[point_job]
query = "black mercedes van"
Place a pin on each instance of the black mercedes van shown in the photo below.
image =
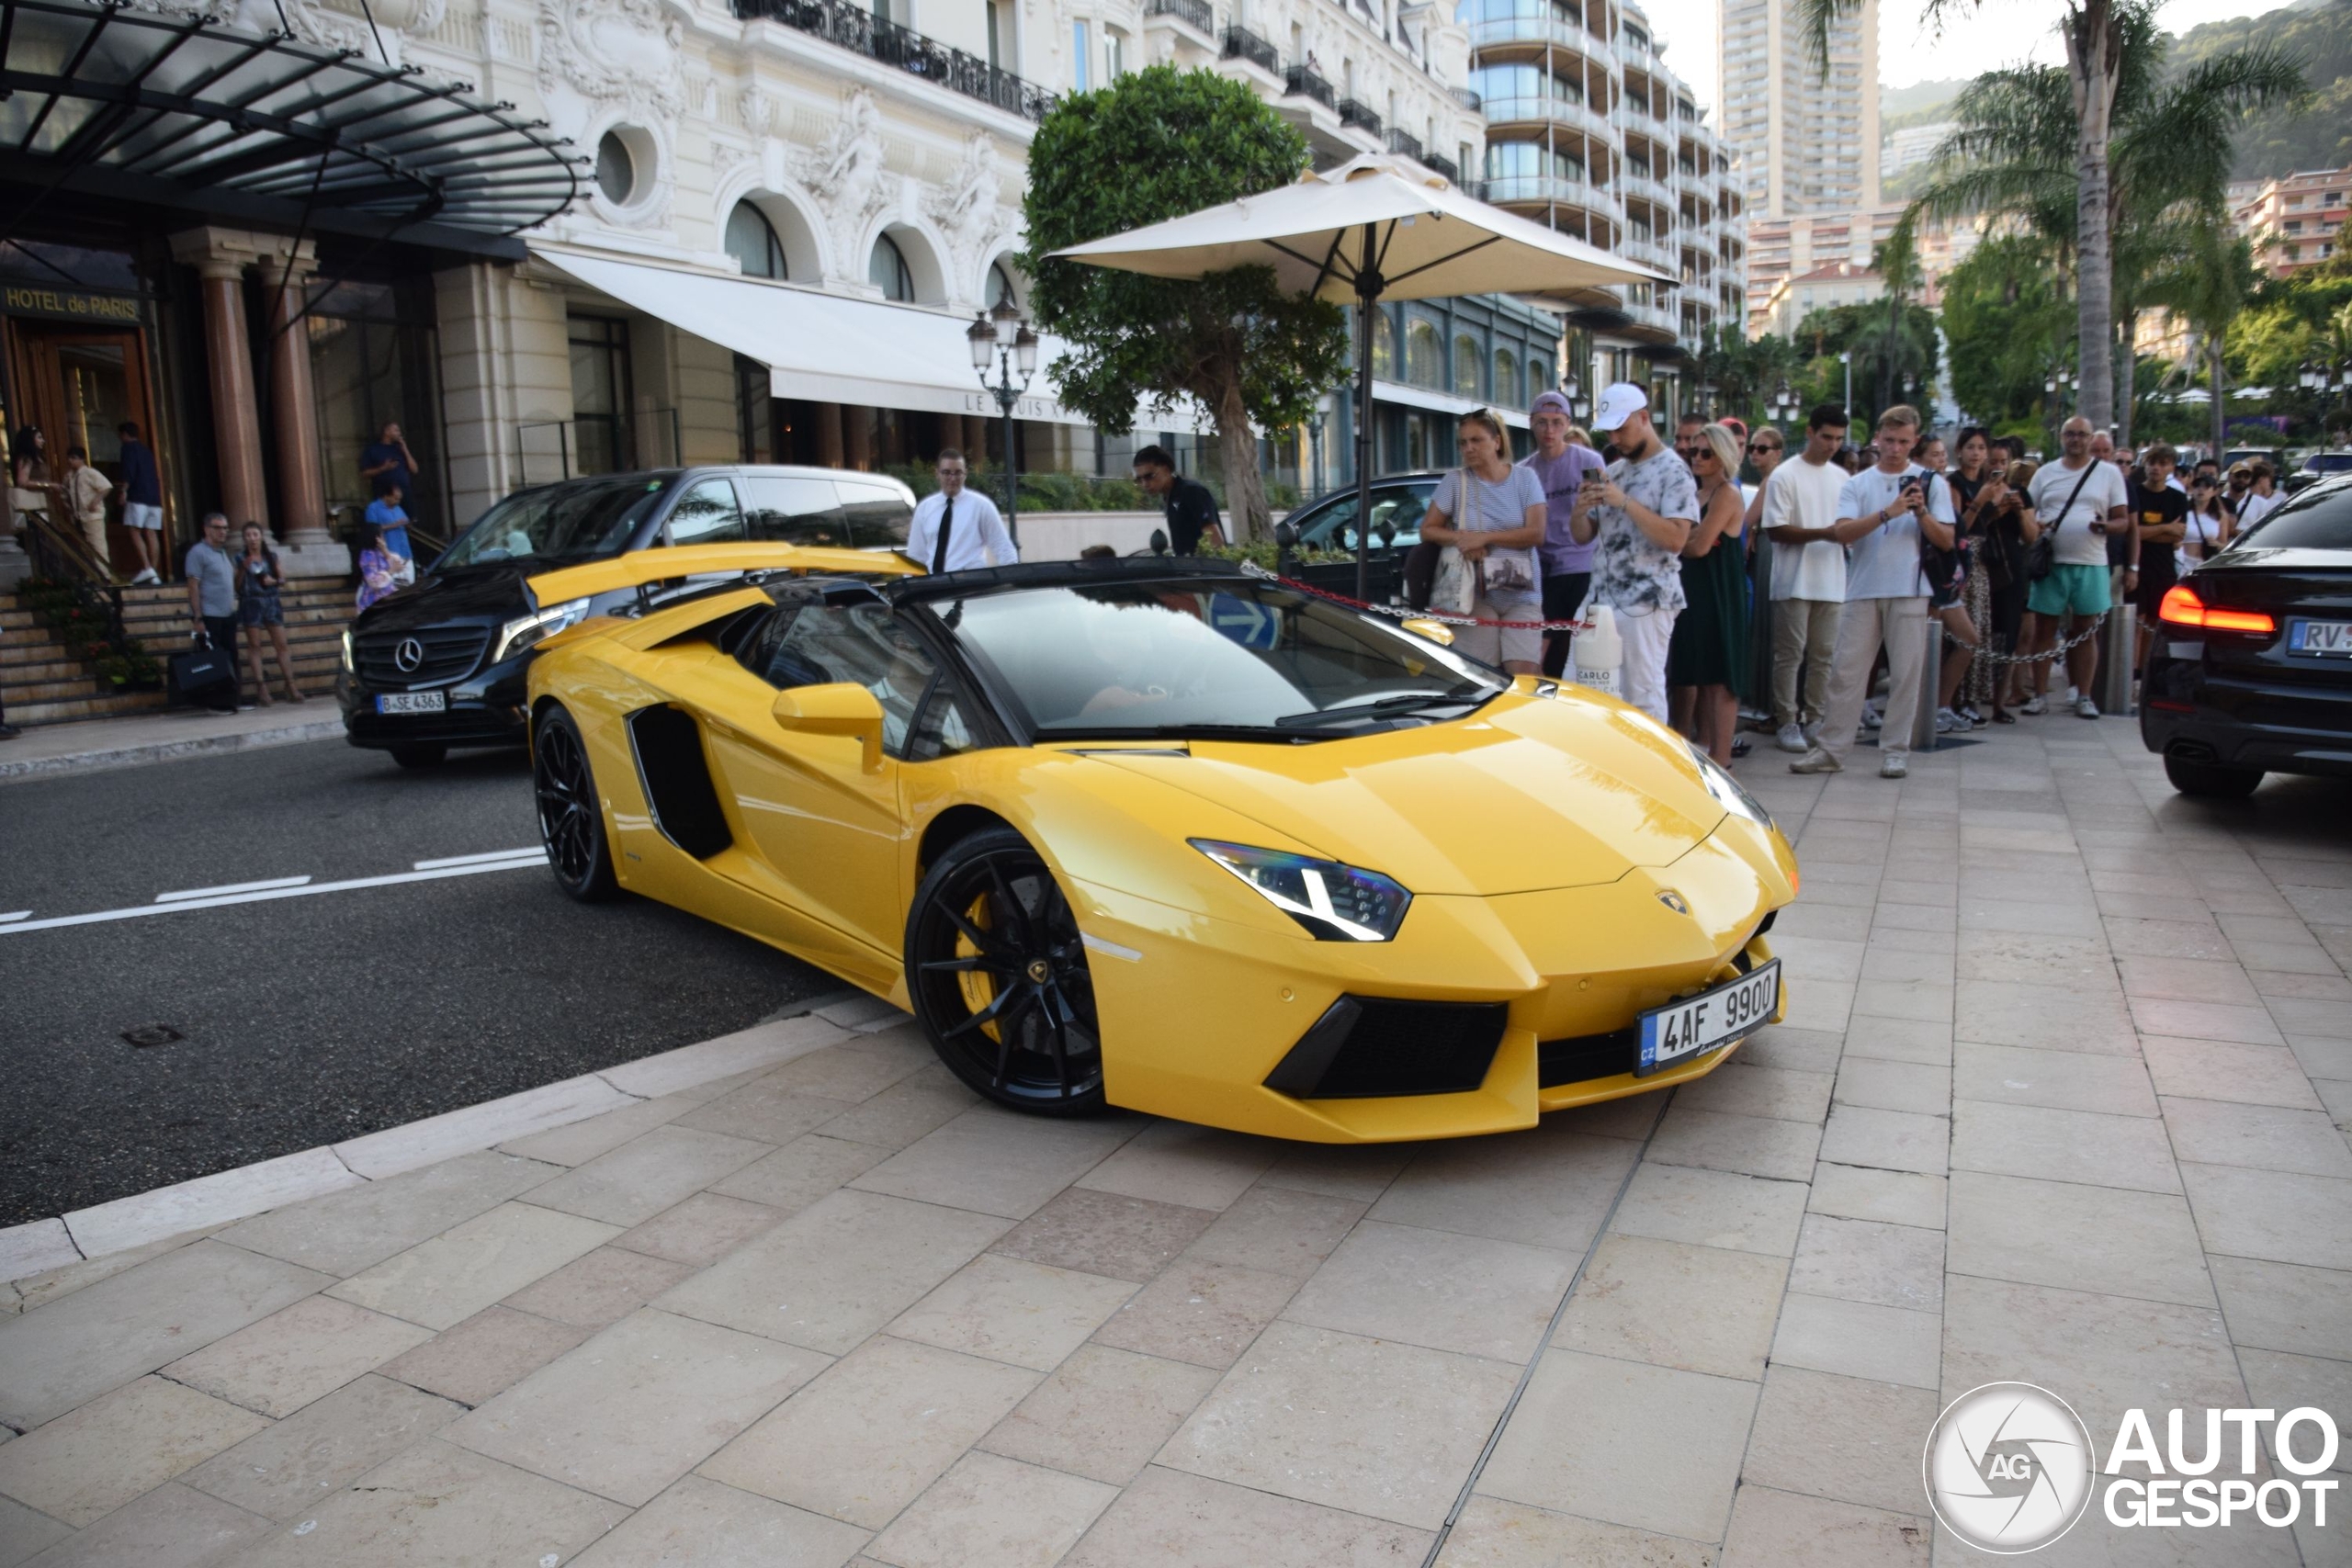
(442, 663)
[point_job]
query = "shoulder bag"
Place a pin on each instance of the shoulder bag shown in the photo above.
(2042, 559)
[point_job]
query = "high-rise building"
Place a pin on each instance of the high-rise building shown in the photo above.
(1805, 142)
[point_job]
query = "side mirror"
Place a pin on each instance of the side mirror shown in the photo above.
(843, 708)
(1437, 632)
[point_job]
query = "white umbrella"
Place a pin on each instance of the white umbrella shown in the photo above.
(1367, 230)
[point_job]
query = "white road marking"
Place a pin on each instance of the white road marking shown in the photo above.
(230, 888)
(16, 915)
(394, 880)
(531, 852)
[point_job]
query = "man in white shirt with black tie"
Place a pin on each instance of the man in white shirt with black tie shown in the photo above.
(955, 529)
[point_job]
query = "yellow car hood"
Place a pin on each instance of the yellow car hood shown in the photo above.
(1528, 794)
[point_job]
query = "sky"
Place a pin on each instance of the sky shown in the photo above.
(1996, 33)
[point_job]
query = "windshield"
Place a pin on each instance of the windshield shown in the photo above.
(577, 520)
(2328, 463)
(2319, 519)
(1226, 654)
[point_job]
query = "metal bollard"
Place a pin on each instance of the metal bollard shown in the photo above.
(1931, 668)
(2118, 642)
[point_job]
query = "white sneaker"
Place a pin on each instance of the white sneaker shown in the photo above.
(1870, 719)
(1816, 761)
(1812, 733)
(1895, 767)
(1791, 739)
(2086, 708)
(1949, 722)
(146, 575)
(2034, 704)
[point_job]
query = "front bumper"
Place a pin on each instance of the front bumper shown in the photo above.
(489, 708)
(1197, 1021)
(2287, 722)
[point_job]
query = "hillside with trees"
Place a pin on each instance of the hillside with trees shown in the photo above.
(2320, 136)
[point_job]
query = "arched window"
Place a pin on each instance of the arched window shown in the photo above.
(1539, 380)
(1383, 347)
(887, 270)
(751, 239)
(1506, 376)
(1424, 355)
(1000, 286)
(1469, 368)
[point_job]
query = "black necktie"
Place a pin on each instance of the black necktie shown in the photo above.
(938, 550)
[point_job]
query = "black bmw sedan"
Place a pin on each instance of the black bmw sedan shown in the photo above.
(2250, 669)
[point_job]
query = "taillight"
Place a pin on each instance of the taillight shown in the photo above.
(2182, 607)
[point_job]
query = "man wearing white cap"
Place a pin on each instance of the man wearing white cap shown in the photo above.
(1638, 518)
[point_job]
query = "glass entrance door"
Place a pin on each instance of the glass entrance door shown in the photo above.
(80, 387)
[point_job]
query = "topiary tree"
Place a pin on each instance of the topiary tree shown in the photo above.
(1157, 144)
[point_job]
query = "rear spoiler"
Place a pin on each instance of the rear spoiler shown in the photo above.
(639, 569)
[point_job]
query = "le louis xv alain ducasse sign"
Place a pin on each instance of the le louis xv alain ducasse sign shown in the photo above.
(70, 304)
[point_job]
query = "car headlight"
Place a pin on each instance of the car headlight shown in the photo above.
(518, 635)
(350, 664)
(1334, 902)
(1729, 792)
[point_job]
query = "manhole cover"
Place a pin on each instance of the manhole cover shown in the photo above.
(153, 1034)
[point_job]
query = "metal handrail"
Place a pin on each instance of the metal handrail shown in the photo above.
(1438, 164)
(1240, 44)
(1405, 144)
(1356, 112)
(1192, 13)
(1305, 81)
(862, 32)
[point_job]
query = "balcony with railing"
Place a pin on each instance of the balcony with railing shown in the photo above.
(1508, 33)
(1545, 109)
(1306, 81)
(1551, 190)
(1405, 144)
(1357, 113)
(1194, 14)
(1240, 44)
(1466, 99)
(1438, 164)
(855, 28)
(1641, 187)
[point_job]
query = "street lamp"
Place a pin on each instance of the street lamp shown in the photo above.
(1002, 338)
(1845, 359)
(1573, 389)
(1785, 403)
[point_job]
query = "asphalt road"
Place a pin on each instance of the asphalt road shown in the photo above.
(312, 1019)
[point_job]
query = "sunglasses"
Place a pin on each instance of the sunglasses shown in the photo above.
(1763, 447)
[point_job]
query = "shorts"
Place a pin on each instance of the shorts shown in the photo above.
(2070, 590)
(260, 610)
(139, 514)
(1498, 646)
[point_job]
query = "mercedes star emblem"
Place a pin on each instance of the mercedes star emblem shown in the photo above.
(409, 655)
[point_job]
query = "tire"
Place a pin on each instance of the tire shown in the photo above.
(419, 756)
(998, 976)
(2211, 781)
(572, 819)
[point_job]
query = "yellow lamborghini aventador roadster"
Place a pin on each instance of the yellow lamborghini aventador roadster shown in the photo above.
(1162, 835)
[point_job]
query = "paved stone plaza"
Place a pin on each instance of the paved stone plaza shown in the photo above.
(2058, 1100)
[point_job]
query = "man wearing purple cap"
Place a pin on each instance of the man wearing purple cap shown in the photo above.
(1560, 466)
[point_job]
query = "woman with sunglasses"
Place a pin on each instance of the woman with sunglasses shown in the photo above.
(1495, 515)
(1706, 663)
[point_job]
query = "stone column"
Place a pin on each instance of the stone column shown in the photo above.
(221, 262)
(858, 433)
(306, 548)
(828, 434)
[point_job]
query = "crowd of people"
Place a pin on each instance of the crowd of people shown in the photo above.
(1850, 553)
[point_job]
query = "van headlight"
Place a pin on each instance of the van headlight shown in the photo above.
(518, 635)
(1729, 792)
(1334, 902)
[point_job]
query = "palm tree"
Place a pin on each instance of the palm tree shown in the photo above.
(2072, 125)
(2206, 281)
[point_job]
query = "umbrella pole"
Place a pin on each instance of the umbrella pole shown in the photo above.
(1368, 286)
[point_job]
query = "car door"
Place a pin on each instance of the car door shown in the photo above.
(827, 826)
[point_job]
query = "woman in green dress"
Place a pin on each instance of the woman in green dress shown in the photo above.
(1706, 664)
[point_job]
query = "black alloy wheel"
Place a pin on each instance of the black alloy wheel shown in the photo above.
(998, 972)
(572, 823)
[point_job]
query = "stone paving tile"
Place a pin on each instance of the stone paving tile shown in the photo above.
(441, 1281)
(1542, 1188)
(603, 1287)
(1367, 1426)
(1741, 1089)
(801, 1172)
(915, 1106)
(635, 1182)
(288, 1471)
(701, 1230)
(1438, 1288)
(2063, 1145)
(705, 1524)
(25, 1532)
(763, 1111)
(1278, 1230)
(484, 1355)
(1360, 1172)
(1922, 1088)
(92, 1460)
(1651, 1448)
(1102, 1414)
(836, 1271)
(346, 1232)
(436, 1503)
(873, 1432)
(1634, 1302)
(998, 1162)
(1859, 1339)
(295, 1355)
(1771, 1528)
(2263, 1137)
(2089, 1238)
(1868, 1261)
(1750, 1145)
(2013, 1013)
(1204, 1313)
(994, 1510)
(2064, 1080)
(1104, 1233)
(1492, 1533)
(170, 1527)
(1893, 1197)
(2249, 1075)
(1711, 1208)
(584, 1140)
(1172, 1162)
(2274, 1216)
(59, 1356)
(1887, 1140)
(1171, 1519)
(638, 1405)
(1845, 1438)
(1007, 1309)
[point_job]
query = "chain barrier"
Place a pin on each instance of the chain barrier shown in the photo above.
(1251, 569)
(1987, 655)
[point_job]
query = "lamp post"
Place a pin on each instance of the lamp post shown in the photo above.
(1785, 403)
(1580, 408)
(1002, 338)
(1845, 359)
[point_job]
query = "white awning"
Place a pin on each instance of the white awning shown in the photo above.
(825, 348)
(1441, 403)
